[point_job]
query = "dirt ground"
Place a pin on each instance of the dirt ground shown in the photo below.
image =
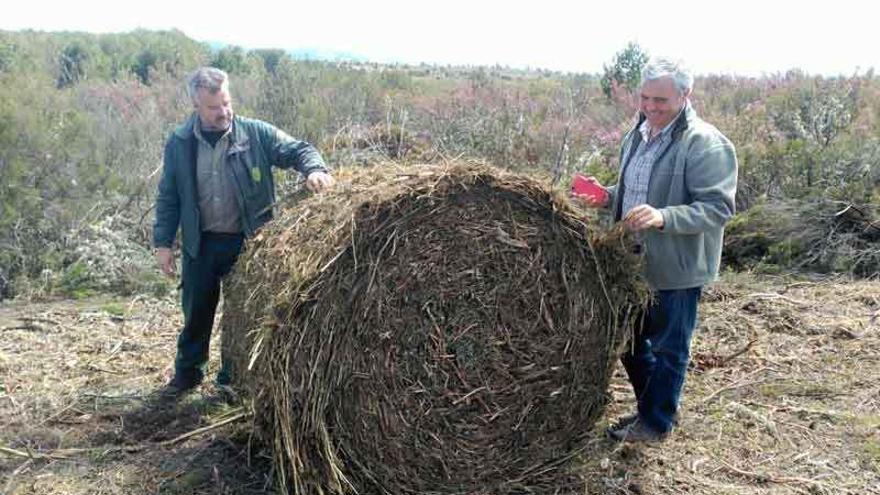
(783, 397)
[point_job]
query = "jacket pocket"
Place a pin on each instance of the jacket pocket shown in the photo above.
(247, 174)
(691, 255)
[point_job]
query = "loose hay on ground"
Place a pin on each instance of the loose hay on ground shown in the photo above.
(442, 329)
(54, 401)
(781, 398)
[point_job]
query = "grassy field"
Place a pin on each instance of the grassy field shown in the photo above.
(783, 397)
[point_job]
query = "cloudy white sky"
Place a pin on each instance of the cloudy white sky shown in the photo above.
(746, 37)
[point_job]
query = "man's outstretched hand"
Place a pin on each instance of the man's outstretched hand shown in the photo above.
(319, 181)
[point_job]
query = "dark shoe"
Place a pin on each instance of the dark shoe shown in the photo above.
(624, 421)
(176, 388)
(636, 431)
(226, 393)
(627, 420)
(224, 376)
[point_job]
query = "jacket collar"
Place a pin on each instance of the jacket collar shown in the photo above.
(682, 122)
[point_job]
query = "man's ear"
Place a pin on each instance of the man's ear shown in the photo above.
(686, 93)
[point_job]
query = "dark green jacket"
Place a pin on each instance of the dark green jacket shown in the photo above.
(254, 148)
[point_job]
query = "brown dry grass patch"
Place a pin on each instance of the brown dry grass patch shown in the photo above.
(783, 397)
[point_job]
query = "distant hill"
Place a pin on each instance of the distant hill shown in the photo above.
(306, 53)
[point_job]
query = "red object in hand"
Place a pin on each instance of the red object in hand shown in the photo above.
(590, 187)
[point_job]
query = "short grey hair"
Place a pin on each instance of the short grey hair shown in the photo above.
(209, 78)
(659, 67)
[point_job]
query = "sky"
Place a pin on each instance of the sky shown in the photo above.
(745, 37)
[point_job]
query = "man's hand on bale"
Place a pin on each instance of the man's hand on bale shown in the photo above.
(319, 181)
(644, 217)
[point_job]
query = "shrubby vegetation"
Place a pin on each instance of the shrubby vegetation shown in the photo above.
(83, 118)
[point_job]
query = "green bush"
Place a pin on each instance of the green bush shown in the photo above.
(83, 119)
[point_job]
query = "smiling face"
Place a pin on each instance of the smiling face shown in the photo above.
(214, 109)
(660, 101)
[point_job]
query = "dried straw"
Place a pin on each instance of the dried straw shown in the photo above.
(433, 329)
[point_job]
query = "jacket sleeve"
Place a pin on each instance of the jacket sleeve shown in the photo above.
(286, 152)
(614, 189)
(612, 196)
(711, 183)
(167, 203)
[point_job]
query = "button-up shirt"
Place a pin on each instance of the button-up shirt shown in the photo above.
(218, 207)
(638, 172)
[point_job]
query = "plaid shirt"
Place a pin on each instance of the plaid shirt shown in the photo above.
(638, 172)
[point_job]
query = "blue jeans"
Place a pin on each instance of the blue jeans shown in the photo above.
(201, 291)
(657, 358)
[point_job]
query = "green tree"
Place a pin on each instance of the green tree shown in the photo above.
(625, 70)
(813, 115)
(145, 65)
(232, 59)
(7, 54)
(271, 58)
(72, 65)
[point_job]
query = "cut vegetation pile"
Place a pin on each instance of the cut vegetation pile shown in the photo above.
(435, 329)
(818, 236)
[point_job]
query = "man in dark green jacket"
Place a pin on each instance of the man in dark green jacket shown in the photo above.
(675, 191)
(217, 188)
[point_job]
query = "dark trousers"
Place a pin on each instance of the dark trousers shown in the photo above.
(657, 359)
(201, 280)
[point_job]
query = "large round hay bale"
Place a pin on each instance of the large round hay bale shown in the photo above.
(437, 329)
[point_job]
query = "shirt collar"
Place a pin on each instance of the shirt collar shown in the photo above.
(645, 128)
(197, 128)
